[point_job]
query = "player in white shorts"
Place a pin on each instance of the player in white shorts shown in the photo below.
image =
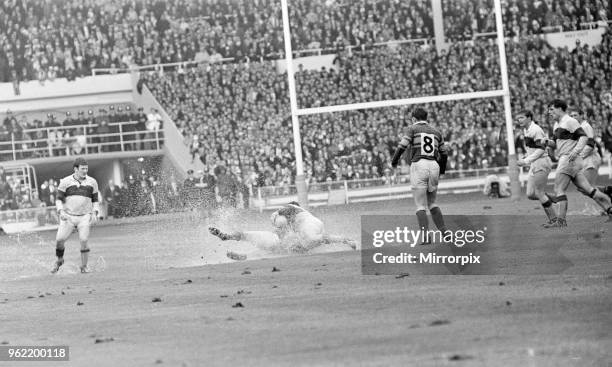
(569, 141)
(591, 157)
(77, 207)
(296, 231)
(428, 160)
(538, 161)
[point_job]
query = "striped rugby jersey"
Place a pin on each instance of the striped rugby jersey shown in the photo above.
(424, 140)
(78, 196)
(566, 134)
(590, 133)
(534, 141)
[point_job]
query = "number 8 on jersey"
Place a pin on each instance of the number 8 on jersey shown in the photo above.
(428, 144)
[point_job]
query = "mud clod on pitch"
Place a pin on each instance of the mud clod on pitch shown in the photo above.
(502, 283)
(402, 275)
(274, 268)
(439, 322)
(188, 281)
(459, 357)
(156, 299)
(238, 305)
(246, 272)
(79, 303)
(243, 291)
(103, 340)
(508, 303)
(4, 342)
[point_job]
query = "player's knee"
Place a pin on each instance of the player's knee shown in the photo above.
(421, 207)
(547, 204)
(433, 207)
(59, 244)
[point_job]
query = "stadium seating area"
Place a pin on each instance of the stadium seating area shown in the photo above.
(76, 132)
(401, 72)
(207, 103)
(45, 40)
(225, 111)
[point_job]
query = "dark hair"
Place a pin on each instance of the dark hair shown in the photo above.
(558, 103)
(79, 162)
(294, 203)
(526, 113)
(578, 111)
(420, 114)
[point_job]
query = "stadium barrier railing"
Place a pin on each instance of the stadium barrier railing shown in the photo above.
(373, 189)
(387, 187)
(76, 139)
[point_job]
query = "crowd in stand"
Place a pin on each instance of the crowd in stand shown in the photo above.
(226, 111)
(208, 103)
(87, 132)
(405, 71)
(44, 40)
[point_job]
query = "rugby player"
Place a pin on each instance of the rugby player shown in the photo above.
(591, 154)
(569, 141)
(77, 207)
(428, 160)
(296, 230)
(538, 161)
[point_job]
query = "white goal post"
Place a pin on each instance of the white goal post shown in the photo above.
(513, 171)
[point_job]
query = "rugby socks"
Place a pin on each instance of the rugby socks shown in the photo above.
(84, 257)
(551, 197)
(562, 200)
(548, 209)
(422, 218)
(59, 252)
(438, 218)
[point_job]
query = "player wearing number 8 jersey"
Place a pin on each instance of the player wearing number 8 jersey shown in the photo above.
(425, 145)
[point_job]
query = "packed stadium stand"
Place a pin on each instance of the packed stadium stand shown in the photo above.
(224, 110)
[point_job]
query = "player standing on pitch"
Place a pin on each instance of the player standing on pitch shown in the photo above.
(77, 207)
(569, 141)
(538, 160)
(428, 157)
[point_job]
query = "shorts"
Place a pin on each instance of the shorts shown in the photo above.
(540, 164)
(424, 174)
(592, 161)
(569, 168)
(76, 221)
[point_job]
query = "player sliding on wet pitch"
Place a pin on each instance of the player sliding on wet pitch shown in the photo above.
(296, 230)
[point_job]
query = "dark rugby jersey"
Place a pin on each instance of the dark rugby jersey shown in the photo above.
(424, 140)
(78, 196)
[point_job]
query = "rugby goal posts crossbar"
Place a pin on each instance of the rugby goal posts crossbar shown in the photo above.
(513, 171)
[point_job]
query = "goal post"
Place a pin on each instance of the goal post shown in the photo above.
(513, 171)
